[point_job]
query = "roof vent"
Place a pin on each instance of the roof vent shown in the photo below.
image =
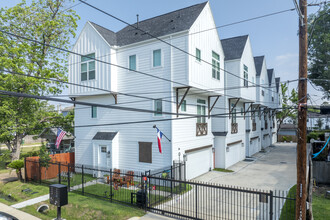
(137, 21)
(171, 20)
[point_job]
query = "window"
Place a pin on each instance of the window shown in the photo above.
(215, 65)
(262, 92)
(103, 149)
(157, 58)
(158, 107)
(94, 112)
(132, 62)
(201, 106)
(273, 98)
(198, 55)
(184, 106)
(87, 67)
(145, 152)
(246, 76)
(233, 118)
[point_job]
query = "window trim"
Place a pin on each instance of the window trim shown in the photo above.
(92, 107)
(140, 143)
(202, 119)
(161, 58)
(216, 77)
(183, 105)
(87, 62)
(245, 76)
(198, 59)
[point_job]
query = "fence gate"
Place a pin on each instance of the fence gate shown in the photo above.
(195, 200)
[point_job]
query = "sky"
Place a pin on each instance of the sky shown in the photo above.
(275, 36)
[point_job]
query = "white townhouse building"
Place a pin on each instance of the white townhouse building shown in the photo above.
(193, 84)
(231, 133)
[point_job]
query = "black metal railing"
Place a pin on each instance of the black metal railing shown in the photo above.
(234, 128)
(201, 129)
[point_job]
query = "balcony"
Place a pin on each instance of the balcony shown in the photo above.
(254, 126)
(201, 129)
(234, 128)
(266, 125)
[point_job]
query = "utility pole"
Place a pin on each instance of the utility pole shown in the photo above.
(302, 114)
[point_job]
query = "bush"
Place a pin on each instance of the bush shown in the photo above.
(30, 154)
(17, 165)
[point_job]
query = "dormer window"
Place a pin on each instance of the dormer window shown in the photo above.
(87, 67)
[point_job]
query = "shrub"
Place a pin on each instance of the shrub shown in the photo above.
(17, 165)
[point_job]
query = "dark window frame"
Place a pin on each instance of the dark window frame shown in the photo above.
(145, 152)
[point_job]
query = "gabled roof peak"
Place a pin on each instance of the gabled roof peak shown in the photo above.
(258, 61)
(233, 47)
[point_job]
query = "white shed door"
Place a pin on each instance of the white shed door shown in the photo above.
(198, 162)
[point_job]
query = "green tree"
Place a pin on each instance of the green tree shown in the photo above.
(287, 102)
(319, 49)
(46, 21)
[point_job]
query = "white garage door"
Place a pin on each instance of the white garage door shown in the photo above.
(198, 162)
(254, 146)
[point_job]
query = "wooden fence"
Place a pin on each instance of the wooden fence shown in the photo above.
(33, 169)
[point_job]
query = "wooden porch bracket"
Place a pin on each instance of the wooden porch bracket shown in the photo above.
(178, 105)
(231, 109)
(245, 111)
(263, 112)
(209, 103)
(254, 111)
(115, 95)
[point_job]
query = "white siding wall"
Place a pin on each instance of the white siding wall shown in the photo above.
(88, 42)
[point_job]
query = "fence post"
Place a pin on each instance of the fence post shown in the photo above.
(149, 188)
(25, 175)
(271, 197)
(69, 177)
(184, 167)
(171, 181)
(59, 172)
(196, 202)
(82, 179)
(39, 171)
(110, 181)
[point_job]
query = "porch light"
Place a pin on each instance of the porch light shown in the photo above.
(185, 157)
(108, 154)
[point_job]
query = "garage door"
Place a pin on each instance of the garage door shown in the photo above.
(198, 162)
(253, 146)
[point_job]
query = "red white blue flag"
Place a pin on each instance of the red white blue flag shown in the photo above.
(159, 138)
(60, 136)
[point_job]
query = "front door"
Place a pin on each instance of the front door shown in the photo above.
(103, 156)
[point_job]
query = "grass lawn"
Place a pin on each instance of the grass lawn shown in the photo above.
(321, 205)
(83, 207)
(223, 170)
(15, 190)
(76, 179)
(288, 210)
(26, 149)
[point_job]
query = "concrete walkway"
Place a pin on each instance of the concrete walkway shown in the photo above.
(16, 213)
(151, 216)
(31, 202)
(274, 169)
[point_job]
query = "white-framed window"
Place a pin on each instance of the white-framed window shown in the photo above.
(215, 65)
(184, 106)
(198, 55)
(233, 116)
(246, 75)
(103, 149)
(157, 58)
(201, 107)
(132, 62)
(94, 112)
(158, 107)
(87, 67)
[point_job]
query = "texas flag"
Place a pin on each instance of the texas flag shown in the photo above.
(159, 138)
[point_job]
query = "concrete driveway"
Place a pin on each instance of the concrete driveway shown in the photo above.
(273, 170)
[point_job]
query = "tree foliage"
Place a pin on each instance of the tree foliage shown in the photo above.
(319, 49)
(45, 21)
(287, 102)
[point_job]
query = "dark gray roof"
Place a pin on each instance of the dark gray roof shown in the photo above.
(217, 133)
(270, 75)
(234, 47)
(277, 81)
(172, 22)
(108, 35)
(105, 136)
(258, 61)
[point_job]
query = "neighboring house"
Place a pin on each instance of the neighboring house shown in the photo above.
(313, 119)
(287, 132)
(195, 87)
(231, 132)
(67, 143)
(65, 111)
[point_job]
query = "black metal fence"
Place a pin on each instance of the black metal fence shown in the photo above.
(161, 191)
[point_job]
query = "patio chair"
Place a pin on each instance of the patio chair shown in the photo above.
(116, 176)
(129, 178)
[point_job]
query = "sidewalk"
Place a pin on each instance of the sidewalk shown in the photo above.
(16, 213)
(31, 202)
(151, 216)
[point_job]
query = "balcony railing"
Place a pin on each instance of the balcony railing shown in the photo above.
(254, 126)
(266, 125)
(201, 129)
(234, 128)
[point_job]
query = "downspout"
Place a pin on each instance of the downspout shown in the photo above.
(171, 89)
